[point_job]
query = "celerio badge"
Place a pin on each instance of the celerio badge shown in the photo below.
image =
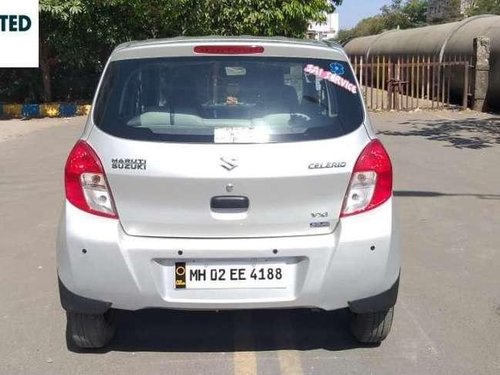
(327, 165)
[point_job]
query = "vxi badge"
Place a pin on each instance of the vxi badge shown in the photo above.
(327, 165)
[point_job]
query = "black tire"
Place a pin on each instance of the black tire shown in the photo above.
(372, 328)
(90, 331)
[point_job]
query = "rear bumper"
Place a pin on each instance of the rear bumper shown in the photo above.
(77, 304)
(380, 302)
(359, 260)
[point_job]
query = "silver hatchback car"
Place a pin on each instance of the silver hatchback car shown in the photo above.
(227, 173)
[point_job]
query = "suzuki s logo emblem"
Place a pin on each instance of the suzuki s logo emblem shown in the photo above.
(228, 163)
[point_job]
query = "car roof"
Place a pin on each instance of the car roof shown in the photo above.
(281, 46)
(217, 38)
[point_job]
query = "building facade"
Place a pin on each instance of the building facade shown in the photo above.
(439, 10)
(325, 30)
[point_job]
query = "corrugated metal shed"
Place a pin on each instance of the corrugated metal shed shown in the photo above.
(446, 40)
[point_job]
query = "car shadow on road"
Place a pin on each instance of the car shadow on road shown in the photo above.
(229, 331)
(435, 194)
(469, 133)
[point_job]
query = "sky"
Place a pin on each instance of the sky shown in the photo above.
(353, 11)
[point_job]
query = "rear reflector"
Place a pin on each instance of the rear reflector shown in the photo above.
(228, 50)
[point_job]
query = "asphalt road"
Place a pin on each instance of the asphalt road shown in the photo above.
(447, 317)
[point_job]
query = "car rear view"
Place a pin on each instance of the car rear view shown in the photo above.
(227, 173)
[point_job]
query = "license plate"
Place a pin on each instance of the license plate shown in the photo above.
(194, 275)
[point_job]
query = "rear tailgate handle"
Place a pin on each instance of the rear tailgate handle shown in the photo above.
(229, 203)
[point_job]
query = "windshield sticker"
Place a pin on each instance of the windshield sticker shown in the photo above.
(317, 84)
(332, 77)
(240, 135)
(337, 69)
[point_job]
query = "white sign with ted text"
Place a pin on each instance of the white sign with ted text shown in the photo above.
(19, 34)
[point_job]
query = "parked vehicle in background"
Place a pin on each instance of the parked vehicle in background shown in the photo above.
(227, 173)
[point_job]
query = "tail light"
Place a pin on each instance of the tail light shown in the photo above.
(85, 182)
(228, 50)
(371, 180)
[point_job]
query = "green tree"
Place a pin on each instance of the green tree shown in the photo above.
(484, 7)
(255, 17)
(412, 13)
(416, 12)
(78, 35)
(370, 26)
(55, 23)
(399, 14)
(345, 35)
(451, 11)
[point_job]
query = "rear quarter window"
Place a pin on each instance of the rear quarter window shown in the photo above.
(228, 99)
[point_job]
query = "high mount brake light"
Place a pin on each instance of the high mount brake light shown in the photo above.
(85, 182)
(228, 50)
(371, 181)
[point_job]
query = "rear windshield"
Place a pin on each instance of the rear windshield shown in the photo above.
(228, 100)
